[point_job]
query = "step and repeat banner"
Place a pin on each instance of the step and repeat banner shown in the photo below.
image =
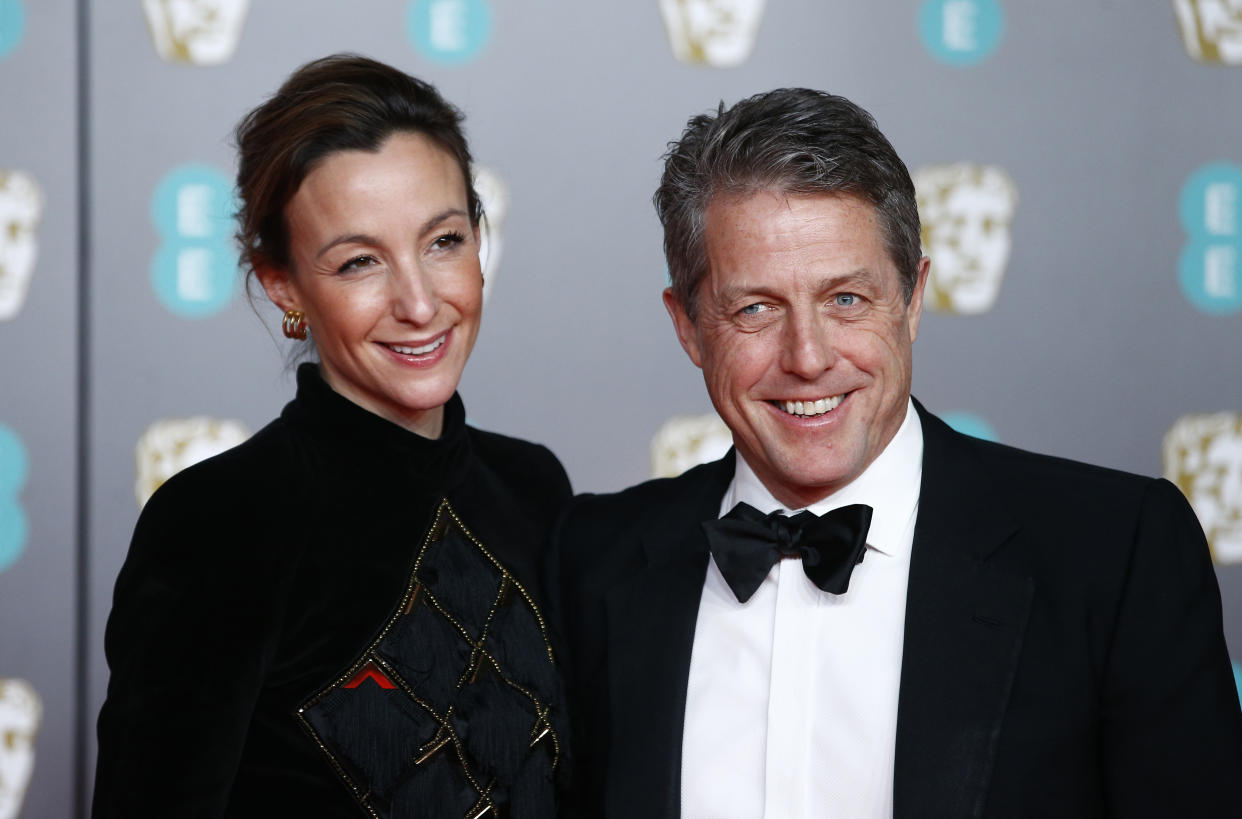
(1079, 174)
(40, 312)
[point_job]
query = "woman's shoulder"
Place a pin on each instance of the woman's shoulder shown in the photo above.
(515, 492)
(522, 463)
(230, 490)
(213, 524)
(262, 455)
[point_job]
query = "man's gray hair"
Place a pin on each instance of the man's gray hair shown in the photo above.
(788, 141)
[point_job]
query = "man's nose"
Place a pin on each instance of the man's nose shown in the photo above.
(808, 348)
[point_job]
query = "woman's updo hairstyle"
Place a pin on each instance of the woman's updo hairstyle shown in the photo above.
(340, 103)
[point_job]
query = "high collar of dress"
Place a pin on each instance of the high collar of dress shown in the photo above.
(889, 485)
(367, 447)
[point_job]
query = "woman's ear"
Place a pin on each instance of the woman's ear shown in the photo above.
(278, 283)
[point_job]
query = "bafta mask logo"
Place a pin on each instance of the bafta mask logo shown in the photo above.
(21, 208)
(21, 712)
(494, 195)
(449, 32)
(961, 32)
(170, 445)
(1211, 30)
(966, 211)
(715, 33)
(196, 32)
(1203, 456)
(12, 25)
(688, 440)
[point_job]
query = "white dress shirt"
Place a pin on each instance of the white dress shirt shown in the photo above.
(791, 707)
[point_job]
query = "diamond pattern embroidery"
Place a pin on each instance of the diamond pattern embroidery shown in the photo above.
(447, 712)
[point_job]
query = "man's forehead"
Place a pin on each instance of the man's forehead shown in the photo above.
(778, 197)
(773, 223)
(771, 217)
(861, 277)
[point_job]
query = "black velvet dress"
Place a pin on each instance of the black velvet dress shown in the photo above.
(337, 619)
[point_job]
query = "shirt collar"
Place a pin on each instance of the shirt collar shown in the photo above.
(890, 486)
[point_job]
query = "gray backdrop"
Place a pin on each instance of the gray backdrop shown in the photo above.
(1092, 350)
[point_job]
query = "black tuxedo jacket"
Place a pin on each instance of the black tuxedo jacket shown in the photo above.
(1063, 652)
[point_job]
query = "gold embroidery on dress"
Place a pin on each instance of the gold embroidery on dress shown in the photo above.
(446, 739)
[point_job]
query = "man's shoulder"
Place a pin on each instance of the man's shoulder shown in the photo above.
(605, 538)
(656, 501)
(1025, 467)
(603, 534)
(1025, 474)
(1064, 511)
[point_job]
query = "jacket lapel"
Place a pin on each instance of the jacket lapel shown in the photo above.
(651, 622)
(964, 625)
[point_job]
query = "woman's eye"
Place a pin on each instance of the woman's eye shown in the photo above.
(356, 263)
(449, 239)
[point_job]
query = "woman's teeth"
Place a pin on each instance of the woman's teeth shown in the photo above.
(808, 409)
(426, 348)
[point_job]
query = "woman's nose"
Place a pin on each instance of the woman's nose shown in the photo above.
(414, 296)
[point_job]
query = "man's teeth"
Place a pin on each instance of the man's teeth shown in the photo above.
(426, 348)
(811, 408)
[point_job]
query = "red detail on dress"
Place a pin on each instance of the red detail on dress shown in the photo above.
(369, 671)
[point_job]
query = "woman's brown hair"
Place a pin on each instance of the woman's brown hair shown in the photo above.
(339, 103)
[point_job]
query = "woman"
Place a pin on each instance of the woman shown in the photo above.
(335, 618)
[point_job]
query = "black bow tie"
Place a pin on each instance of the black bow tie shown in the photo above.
(746, 544)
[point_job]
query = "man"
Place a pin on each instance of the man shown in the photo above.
(1020, 635)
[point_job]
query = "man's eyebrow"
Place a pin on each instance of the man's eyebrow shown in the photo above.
(735, 292)
(863, 275)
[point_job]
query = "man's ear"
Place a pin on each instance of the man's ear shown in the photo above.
(914, 310)
(687, 332)
(278, 284)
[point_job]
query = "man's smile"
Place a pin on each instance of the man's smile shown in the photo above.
(810, 409)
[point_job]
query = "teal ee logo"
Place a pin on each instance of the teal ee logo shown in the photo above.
(961, 32)
(970, 424)
(194, 270)
(1210, 264)
(12, 25)
(14, 469)
(449, 32)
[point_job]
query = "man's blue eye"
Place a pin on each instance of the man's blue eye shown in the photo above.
(846, 299)
(751, 309)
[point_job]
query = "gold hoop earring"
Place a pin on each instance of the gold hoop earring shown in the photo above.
(294, 324)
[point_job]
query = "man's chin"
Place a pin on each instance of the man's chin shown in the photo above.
(806, 479)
